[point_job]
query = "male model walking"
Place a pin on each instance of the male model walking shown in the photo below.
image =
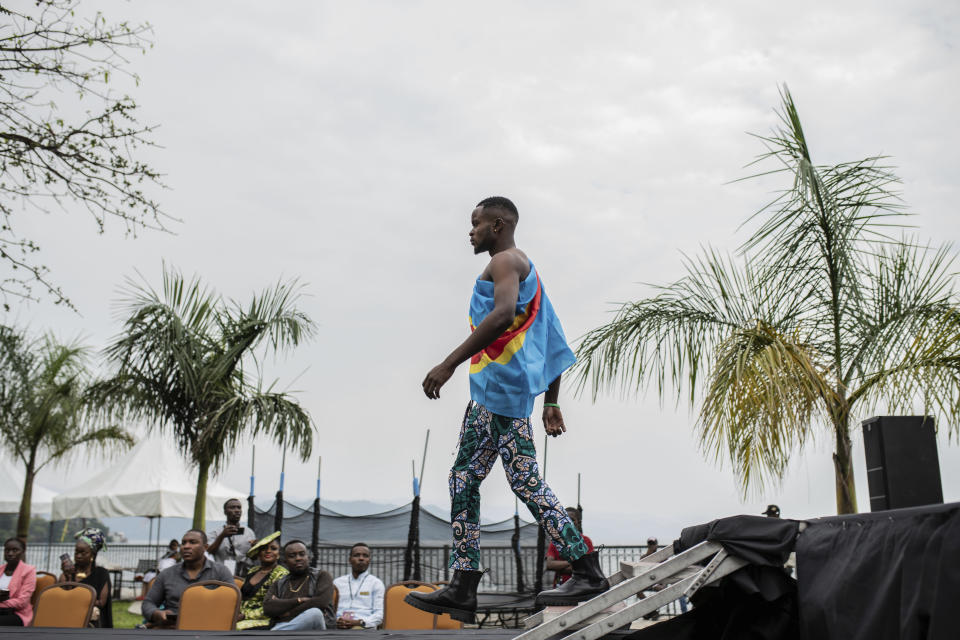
(517, 351)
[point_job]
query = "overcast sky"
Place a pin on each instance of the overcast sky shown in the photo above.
(345, 144)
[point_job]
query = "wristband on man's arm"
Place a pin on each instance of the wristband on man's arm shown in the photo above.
(550, 404)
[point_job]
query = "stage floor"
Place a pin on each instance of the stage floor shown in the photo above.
(141, 634)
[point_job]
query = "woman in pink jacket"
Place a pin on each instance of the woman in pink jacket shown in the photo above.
(17, 582)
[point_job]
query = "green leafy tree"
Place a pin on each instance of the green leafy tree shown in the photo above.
(66, 138)
(44, 417)
(826, 317)
(186, 361)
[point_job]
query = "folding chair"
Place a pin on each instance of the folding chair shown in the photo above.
(67, 605)
(397, 614)
(44, 580)
(678, 575)
(209, 605)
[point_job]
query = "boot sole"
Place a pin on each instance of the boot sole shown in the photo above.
(457, 614)
(560, 601)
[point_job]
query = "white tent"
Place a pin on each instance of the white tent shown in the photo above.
(152, 479)
(11, 490)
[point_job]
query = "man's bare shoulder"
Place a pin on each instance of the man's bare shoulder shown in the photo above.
(507, 264)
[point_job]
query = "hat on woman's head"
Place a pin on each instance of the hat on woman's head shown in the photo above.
(93, 537)
(261, 543)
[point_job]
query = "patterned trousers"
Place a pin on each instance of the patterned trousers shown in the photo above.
(483, 437)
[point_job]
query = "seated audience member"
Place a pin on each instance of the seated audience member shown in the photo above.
(361, 592)
(652, 547)
(84, 569)
(303, 600)
(258, 581)
(17, 582)
(171, 582)
(230, 543)
(561, 568)
(170, 558)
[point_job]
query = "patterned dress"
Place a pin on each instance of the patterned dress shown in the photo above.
(253, 595)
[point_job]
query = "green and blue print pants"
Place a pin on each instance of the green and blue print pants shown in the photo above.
(483, 437)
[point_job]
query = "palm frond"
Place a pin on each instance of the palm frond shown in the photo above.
(763, 390)
(671, 337)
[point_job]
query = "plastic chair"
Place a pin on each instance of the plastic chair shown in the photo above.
(238, 581)
(66, 605)
(336, 599)
(397, 614)
(44, 580)
(209, 605)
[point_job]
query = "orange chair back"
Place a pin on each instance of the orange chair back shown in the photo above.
(67, 605)
(238, 581)
(44, 580)
(336, 598)
(397, 614)
(209, 605)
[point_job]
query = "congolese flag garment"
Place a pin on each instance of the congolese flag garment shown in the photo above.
(520, 364)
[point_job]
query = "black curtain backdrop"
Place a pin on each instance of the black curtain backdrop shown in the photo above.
(887, 575)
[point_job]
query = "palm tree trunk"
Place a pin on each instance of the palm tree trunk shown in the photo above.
(23, 518)
(843, 466)
(200, 501)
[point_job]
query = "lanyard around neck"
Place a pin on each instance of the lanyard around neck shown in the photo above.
(359, 587)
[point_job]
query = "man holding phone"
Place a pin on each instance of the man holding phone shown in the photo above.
(231, 542)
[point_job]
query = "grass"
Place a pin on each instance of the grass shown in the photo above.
(123, 619)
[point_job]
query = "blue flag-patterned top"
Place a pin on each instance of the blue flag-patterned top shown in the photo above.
(509, 374)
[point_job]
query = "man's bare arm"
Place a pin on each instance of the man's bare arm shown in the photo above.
(505, 273)
(552, 417)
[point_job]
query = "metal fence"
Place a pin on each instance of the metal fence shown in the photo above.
(386, 563)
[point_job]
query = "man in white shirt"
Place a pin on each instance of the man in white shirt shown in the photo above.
(361, 593)
(229, 544)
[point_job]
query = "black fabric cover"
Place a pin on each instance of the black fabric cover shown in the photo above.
(757, 602)
(756, 539)
(884, 575)
(731, 610)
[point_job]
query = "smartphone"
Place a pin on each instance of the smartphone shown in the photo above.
(66, 557)
(239, 530)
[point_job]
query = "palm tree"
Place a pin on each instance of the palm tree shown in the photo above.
(824, 318)
(184, 360)
(43, 414)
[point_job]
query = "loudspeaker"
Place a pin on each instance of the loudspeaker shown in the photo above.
(903, 469)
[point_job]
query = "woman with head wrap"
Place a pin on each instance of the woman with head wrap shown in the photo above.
(266, 552)
(84, 569)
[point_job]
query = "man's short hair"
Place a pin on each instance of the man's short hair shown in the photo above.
(358, 544)
(232, 500)
(295, 541)
(504, 204)
(203, 534)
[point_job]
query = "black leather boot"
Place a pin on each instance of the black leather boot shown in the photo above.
(459, 598)
(586, 582)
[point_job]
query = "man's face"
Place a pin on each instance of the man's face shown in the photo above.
(191, 546)
(233, 510)
(481, 234)
(12, 552)
(575, 516)
(359, 559)
(296, 558)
